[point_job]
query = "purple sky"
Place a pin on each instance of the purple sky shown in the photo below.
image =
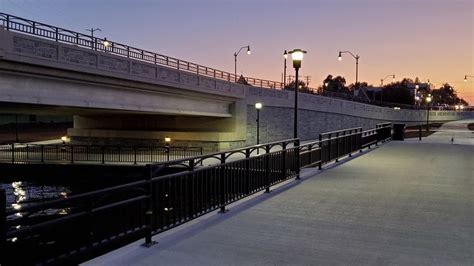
(429, 39)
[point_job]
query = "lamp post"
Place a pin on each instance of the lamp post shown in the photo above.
(167, 147)
(297, 57)
(235, 59)
(356, 57)
(428, 101)
(92, 30)
(106, 44)
(467, 76)
(258, 106)
(285, 56)
(381, 84)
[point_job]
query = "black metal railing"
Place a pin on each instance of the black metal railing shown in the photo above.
(37, 153)
(80, 227)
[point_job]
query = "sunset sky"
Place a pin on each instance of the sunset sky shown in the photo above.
(429, 39)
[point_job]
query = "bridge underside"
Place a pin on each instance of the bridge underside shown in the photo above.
(115, 111)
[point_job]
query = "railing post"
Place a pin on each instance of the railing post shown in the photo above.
(320, 165)
(337, 147)
(329, 147)
(350, 142)
(8, 22)
(56, 31)
(149, 212)
(103, 154)
(3, 219)
(27, 152)
(154, 57)
(13, 152)
(297, 152)
(247, 171)
(267, 168)
(72, 153)
(222, 184)
(134, 154)
(42, 153)
(359, 137)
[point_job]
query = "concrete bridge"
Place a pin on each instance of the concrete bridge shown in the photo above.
(120, 94)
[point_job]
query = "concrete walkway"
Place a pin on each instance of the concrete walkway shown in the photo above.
(455, 132)
(405, 203)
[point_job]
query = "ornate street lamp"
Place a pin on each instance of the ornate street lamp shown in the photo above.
(235, 59)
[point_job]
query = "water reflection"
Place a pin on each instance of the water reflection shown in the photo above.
(20, 194)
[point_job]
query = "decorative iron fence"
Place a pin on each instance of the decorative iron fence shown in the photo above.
(36, 153)
(80, 227)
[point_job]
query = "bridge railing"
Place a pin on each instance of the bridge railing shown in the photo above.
(18, 24)
(37, 153)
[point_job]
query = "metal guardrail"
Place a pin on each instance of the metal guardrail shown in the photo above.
(83, 226)
(14, 23)
(36, 153)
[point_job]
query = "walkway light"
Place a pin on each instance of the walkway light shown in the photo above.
(167, 139)
(258, 106)
(297, 57)
(340, 56)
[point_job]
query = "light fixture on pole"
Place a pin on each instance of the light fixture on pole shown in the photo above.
(381, 85)
(428, 101)
(258, 106)
(297, 57)
(285, 56)
(383, 79)
(235, 59)
(94, 42)
(167, 147)
(467, 76)
(106, 44)
(356, 57)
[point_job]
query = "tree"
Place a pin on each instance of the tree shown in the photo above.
(446, 95)
(398, 92)
(337, 84)
(303, 87)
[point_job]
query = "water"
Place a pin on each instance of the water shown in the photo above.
(21, 194)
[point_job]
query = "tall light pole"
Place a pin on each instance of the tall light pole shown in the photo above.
(381, 84)
(235, 59)
(297, 57)
(356, 57)
(258, 106)
(285, 56)
(428, 101)
(92, 30)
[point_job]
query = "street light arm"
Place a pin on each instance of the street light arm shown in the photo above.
(349, 52)
(237, 53)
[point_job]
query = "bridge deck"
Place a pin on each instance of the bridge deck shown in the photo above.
(404, 203)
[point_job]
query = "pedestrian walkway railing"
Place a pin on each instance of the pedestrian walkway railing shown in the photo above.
(37, 153)
(80, 227)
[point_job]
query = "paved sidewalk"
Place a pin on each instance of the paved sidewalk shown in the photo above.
(405, 203)
(455, 132)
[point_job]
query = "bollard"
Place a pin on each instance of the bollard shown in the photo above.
(419, 132)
